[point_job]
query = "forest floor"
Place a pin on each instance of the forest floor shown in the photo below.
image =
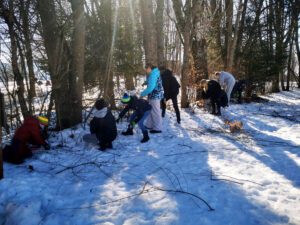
(194, 173)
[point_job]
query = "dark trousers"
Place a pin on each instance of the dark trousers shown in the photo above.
(175, 105)
(215, 103)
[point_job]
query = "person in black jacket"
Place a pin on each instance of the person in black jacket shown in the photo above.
(103, 125)
(238, 89)
(212, 89)
(141, 109)
(171, 90)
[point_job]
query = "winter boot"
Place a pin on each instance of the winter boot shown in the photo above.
(146, 137)
(129, 131)
(109, 145)
(155, 131)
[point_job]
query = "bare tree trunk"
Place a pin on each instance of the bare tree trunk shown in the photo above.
(228, 32)
(9, 19)
(78, 50)
(199, 51)
(27, 35)
(58, 61)
(1, 159)
(297, 43)
(233, 47)
(129, 83)
(240, 35)
(186, 68)
(185, 29)
(217, 56)
(160, 32)
(150, 37)
(108, 81)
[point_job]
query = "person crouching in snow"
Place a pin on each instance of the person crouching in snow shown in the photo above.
(103, 125)
(227, 82)
(30, 132)
(211, 89)
(141, 109)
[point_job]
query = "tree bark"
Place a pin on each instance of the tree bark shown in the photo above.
(185, 29)
(24, 9)
(1, 158)
(199, 51)
(108, 81)
(58, 62)
(297, 43)
(149, 34)
(228, 32)
(78, 50)
(160, 32)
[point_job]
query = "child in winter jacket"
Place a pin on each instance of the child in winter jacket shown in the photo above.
(103, 125)
(155, 94)
(30, 132)
(211, 89)
(141, 109)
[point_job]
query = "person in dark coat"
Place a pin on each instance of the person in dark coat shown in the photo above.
(212, 89)
(171, 91)
(30, 132)
(141, 108)
(103, 125)
(238, 88)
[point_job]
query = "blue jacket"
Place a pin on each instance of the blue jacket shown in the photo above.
(154, 88)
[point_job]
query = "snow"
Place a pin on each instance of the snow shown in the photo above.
(248, 177)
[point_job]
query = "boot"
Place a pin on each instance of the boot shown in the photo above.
(129, 131)
(109, 145)
(146, 137)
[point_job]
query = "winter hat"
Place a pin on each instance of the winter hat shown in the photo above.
(100, 104)
(126, 98)
(43, 120)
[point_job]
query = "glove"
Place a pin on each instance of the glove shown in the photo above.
(132, 123)
(47, 146)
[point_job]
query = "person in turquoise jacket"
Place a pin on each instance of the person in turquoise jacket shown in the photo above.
(155, 94)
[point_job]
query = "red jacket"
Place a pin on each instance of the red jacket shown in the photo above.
(28, 133)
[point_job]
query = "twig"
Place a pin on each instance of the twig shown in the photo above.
(185, 153)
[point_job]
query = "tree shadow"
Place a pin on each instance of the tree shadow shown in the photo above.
(175, 160)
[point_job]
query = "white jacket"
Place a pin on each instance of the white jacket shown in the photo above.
(226, 79)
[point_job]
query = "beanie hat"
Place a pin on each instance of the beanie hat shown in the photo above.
(43, 120)
(126, 98)
(100, 104)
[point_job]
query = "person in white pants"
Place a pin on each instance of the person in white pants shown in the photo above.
(227, 82)
(155, 94)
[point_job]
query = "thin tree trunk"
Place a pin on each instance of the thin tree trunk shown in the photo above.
(160, 32)
(27, 35)
(228, 32)
(1, 116)
(233, 47)
(9, 19)
(297, 43)
(185, 29)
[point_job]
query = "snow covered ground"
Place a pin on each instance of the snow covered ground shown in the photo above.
(249, 177)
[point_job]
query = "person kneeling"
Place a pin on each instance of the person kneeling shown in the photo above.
(30, 132)
(212, 89)
(141, 109)
(103, 125)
